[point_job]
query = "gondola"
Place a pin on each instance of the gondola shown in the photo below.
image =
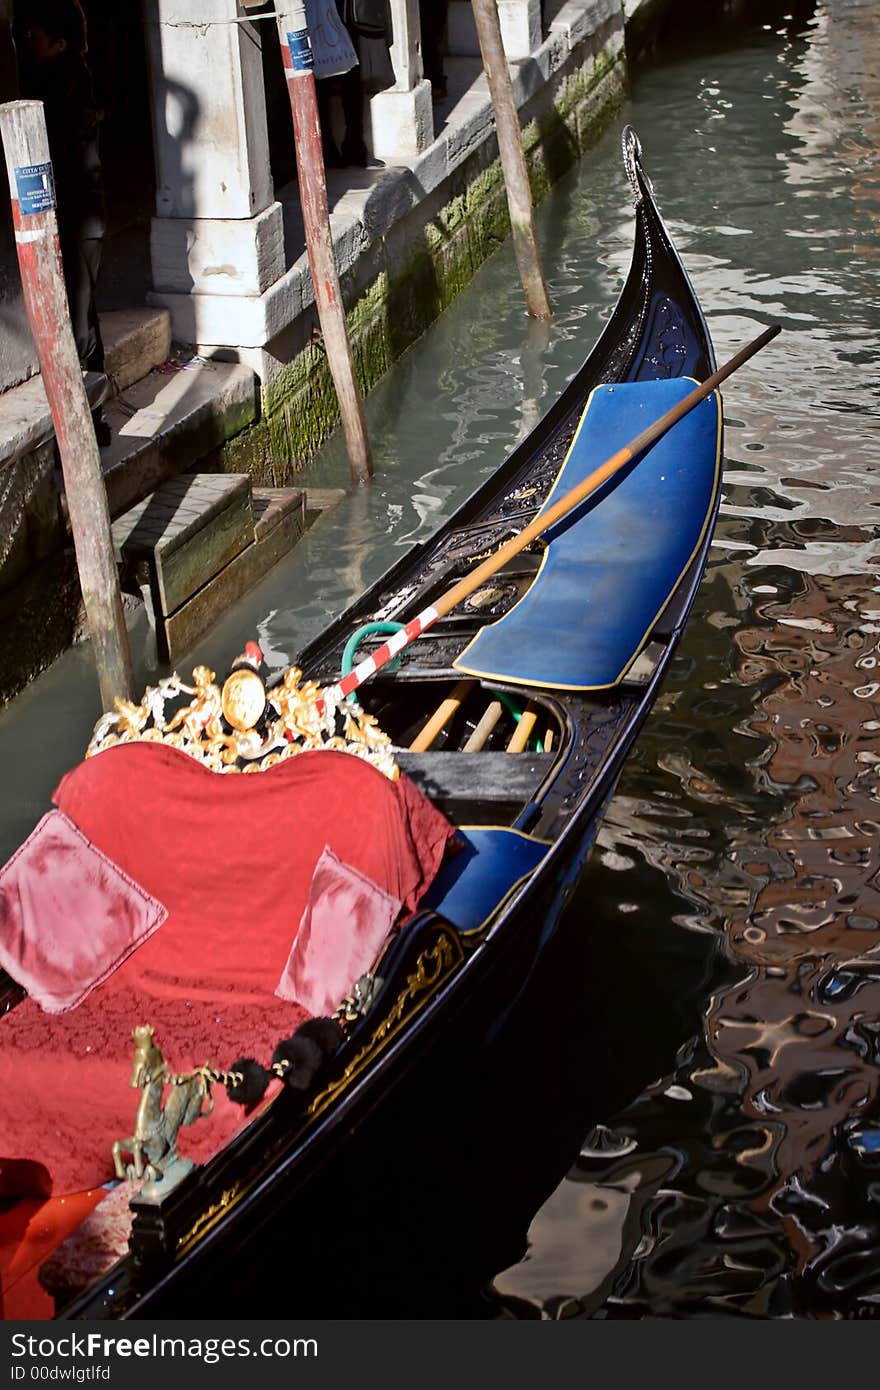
(506, 726)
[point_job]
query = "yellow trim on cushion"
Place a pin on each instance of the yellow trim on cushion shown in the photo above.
(508, 830)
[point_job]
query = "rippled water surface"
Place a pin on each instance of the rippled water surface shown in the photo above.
(744, 1178)
(723, 1064)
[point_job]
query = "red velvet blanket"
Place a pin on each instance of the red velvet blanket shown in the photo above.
(231, 857)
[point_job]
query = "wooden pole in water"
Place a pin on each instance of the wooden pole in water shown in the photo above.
(296, 52)
(31, 187)
(513, 160)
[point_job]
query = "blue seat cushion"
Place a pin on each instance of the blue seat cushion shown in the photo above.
(475, 880)
(611, 565)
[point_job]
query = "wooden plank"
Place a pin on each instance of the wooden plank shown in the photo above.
(272, 505)
(322, 499)
(441, 717)
(493, 778)
(479, 737)
(523, 731)
(178, 632)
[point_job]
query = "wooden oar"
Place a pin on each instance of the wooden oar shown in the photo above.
(416, 626)
(440, 718)
(523, 731)
(480, 735)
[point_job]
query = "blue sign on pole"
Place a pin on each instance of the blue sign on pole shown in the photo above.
(36, 188)
(300, 50)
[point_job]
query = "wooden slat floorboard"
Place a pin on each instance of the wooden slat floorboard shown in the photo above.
(494, 778)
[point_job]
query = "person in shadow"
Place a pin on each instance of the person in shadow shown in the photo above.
(353, 148)
(432, 21)
(53, 68)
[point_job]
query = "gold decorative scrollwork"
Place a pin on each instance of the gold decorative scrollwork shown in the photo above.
(230, 1197)
(217, 727)
(432, 967)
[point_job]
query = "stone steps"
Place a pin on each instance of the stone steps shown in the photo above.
(164, 423)
(198, 543)
(214, 535)
(135, 341)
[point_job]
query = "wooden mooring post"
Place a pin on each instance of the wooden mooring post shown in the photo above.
(31, 188)
(513, 160)
(296, 52)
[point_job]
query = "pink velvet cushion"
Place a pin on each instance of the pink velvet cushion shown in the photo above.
(68, 915)
(344, 925)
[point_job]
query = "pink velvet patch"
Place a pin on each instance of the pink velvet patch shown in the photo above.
(68, 915)
(345, 924)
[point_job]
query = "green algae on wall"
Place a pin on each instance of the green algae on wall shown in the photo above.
(428, 260)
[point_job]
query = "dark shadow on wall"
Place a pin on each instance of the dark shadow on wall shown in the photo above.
(118, 60)
(8, 75)
(118, 63)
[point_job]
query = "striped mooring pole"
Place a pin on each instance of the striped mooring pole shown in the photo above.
(32, 190)
(299, 70)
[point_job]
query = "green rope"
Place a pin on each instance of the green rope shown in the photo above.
(514, 710)
(354, 642)
(367, 629)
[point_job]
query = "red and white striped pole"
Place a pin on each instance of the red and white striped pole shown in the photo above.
(31, 187)
(296, 52)
(335, 694)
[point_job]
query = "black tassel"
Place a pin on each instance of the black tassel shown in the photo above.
(252, 1086)
(297, 1059)
(301, 1057)
(304, 1053)
(326, 1032)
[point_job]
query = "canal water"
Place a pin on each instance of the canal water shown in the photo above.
(712, 1140)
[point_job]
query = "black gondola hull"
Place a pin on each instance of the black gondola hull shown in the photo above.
(453, 1005)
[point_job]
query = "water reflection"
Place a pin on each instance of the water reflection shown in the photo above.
(745, 1180)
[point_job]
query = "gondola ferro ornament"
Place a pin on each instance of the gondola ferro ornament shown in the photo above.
(243, 694)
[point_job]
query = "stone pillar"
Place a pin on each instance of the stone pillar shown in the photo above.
(520, 28)
(217, 229)
(406, 54)
(400, 120)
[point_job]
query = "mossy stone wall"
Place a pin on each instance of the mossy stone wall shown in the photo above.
(429, 257)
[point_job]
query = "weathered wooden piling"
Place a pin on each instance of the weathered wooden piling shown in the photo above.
(31, 188)
(513, 160)
(296, 53)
